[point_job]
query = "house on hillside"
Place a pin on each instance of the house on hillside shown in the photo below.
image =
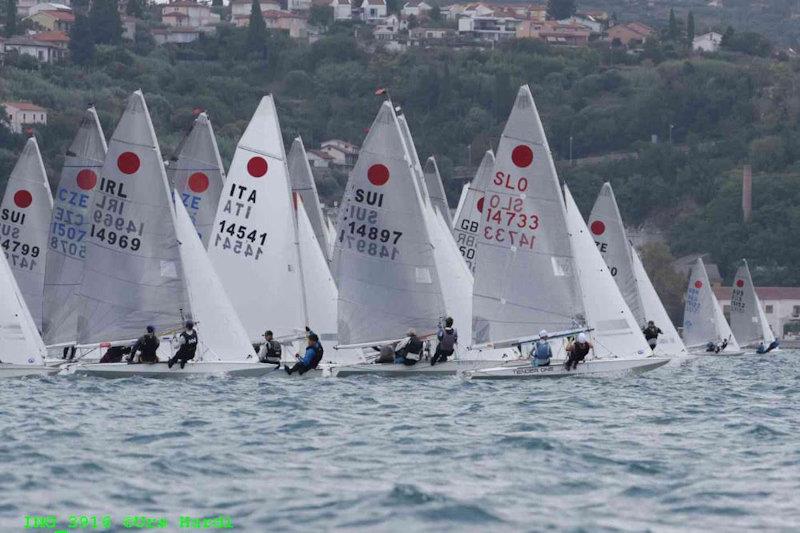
(294, 24)
(342, 153)
(631, 35)
(417, 8)
(240, 10)
(45, 47)
(554, 32)
(708, 42)
(781, 305)
(488, 27)
(26, 8)
(128, 27)
(373, 11)
(298, 5)
(21, 114)
(342, 9)
(53, 20)
(319, 159)
(187, 13)
(176, 35)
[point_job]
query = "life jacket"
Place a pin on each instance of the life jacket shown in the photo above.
(318, 352)
(650, 332)
(541, 350)
(272, 352)
(580, 350)
(412, 350)
(189, 346)
(448, 339)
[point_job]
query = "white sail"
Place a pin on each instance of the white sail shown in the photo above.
(20, 342)
(524, 279)
(24, 226)
(748, 320)
(253, 246)
(69, 230)
(303, 184)
(198, 175)
(669, 341)
(321, 292)
(461, 199)
(383, 257)
(222, 336)
(132, 274)
(616, 333)
(703, 320)
(605, 222)
(433, 180)
(469, 212)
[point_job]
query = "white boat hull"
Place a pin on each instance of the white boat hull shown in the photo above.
(161, 370)
(725, 353)
(8, 370)
(423, 368)
(557, 370)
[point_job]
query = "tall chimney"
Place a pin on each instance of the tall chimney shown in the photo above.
(747, 193)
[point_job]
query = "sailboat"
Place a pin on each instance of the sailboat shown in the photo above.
(197, 173)
(469, 212)
(703, 320)
(526, 277)
(436, 194)
(605, 223)
(22, 350)
(69, 231)
(145, 265)
(26, 208)
(305, 188)
(748, 320)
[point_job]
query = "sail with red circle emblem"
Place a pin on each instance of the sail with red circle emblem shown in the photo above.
(20, 342)
(748, 320)
(605, 223)
(24, 226)
(524, 277)
(197, 173)
(703, 320)
(133, 275)
(467, 220)
(69, 230)
(383, 256)
(254, 245)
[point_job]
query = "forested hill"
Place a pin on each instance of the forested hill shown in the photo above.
(726, 110)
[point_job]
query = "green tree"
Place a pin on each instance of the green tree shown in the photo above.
(436, 13)
(11, 17)
(670, 285)
(321, 16)
(560, 9)
(690, 30)
(81, 41)
(105, 23)
(134, 8)
(672, 30)
(256, 32)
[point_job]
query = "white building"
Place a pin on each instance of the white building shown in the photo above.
(21, 114)
(488, 28)
(46, 46)
(342, 153)
(781, 305)
(708, 42)
(373, 10)
(342, 9)
(416, 8)
(319, 159)
(176, 35)
(188, 13)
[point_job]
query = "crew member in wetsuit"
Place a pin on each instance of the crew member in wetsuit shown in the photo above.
(188, 345)
(310, 359)
(541, 353)
(651, 333)
(115, 354)
(409, 350)
(578, 351)
(766, 349)
(146, 345)
(448, 338)
(271, 351)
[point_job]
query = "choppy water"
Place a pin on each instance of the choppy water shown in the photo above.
(710, 444)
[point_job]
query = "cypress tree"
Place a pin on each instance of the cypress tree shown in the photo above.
(560, 9)
(105, 23)
(690, 30)
(11, 17)
(134, 8)
(257, 32)
(673, 25)
(81, 41)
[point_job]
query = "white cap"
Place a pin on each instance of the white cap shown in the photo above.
(581, 337)
(543, 333)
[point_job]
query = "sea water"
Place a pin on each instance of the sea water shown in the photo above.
(711, 443)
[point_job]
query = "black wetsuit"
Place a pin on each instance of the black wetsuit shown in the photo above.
(187, 349)
(577, 354)
(414, 346)
(448, 337)
(651, 334)
(147, 345)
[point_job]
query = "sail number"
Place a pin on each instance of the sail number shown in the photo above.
(20, 255)
(373, 233)
(240, 240)
(370, 248)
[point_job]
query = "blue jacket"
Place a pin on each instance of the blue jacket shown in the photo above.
(541, 350)
(308, 356)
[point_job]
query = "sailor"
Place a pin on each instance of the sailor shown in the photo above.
(651, 333)
(188, 345)
(271, 350)
(409, 351)
(115, 354)
(310, 359)
(146, 345)
(578, 350)
(541, 352)
(772, 345)
(448, 338)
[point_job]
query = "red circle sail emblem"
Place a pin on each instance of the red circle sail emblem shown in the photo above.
(23, 198)
(740, 283)
(198, 182)
(698, 284)
(378, 174)
(257, 167)
(128, 163)
(522, 156)
(480, 205)
(86, 179)
(598, 227)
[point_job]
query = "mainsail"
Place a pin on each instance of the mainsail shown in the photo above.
(197, 173)
(20, 342)
(433, 180)
(383, 257)
(616, 332)
(303, 185)
(69, 230)
(703, 321)
(254, 246)
(222, 336)
(748, 320)
(461, 198)
(132, 274)
(24, 226)
(605, 222)
(468, 214)
(524, 280)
